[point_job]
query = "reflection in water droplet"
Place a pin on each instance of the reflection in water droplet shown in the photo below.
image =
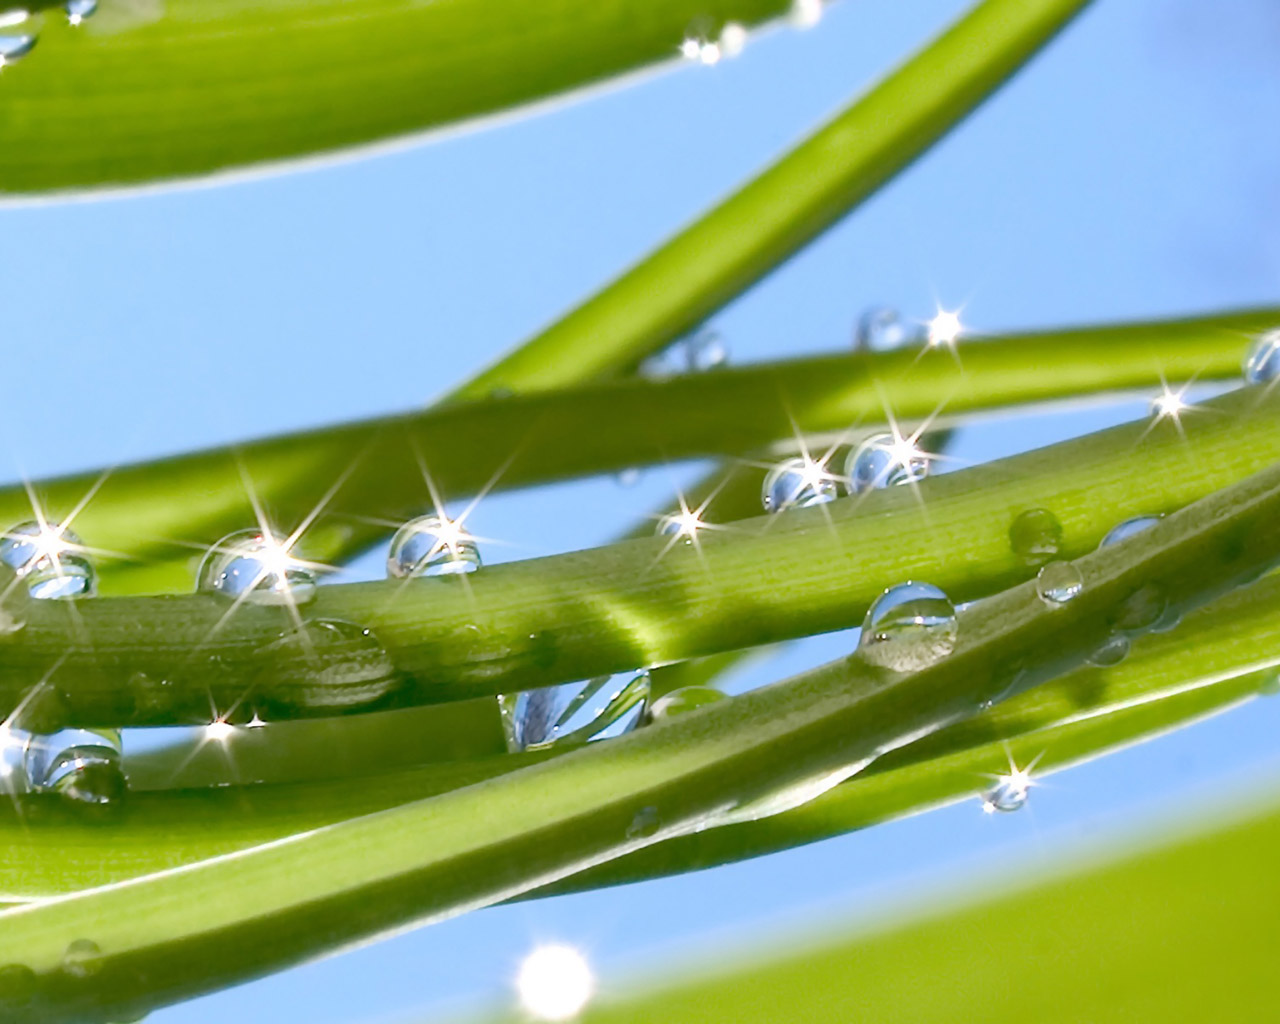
(81, 765)
(1262, 363)
(573, 713)
(885, 461)
(1035, 536)
(1129, 528)
(329, 665)
(698, 353)
(432, 546)
(682, 701)
(909, 627)
(253, 566)
(684, 525)
(50, 560)
(1008, 794)
(82, 958)
(1058, 582)
(78, 10)
(882, 329)
(645, 824)
(797, 483)
(14, 47)
(1111, 652)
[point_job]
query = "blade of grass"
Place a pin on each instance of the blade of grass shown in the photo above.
(173, 934)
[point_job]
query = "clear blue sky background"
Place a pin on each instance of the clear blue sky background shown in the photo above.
(1129, 172)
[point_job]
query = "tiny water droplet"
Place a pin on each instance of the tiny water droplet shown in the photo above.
(82, 958)
(80, 765)
(698, 353)
(882, 329)
(680, 524)
(1058, 582)
(645, 823)
(1035, 536)
(1111, 652)
(17, 986)
(1262, 362)
(1008, 794)
(628, 477)
(14, 47)
(682, 701)
(50, 560)
(1129, 528)
(572, 713)
(885, 461)
(432, 546)
(909, 627)
(257, 567)
(797, 483)
(78, 10)
(329, 664)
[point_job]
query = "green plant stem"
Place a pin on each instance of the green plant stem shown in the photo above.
(590, 613)
(174, 934)
(798, 197)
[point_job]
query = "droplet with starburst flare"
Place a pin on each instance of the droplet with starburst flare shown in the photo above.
(432, 545)
(50, 560)
(885, 461)
(1262, 362)
(257, 566)
(797, 483)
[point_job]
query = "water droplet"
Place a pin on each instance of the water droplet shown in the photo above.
(805, 13)
(1142, 609)
(885, 461)
(1111, 652)
(645, 824)
(1058, 582)
(574, 712)
(682, 701)
(1129, 528)
(733, 39)
(628, 477)
(253, 566)
(432, 546)
(1008, 794)
(81, 765)
(78, 10)
(797, 483)
(909, 627)
(882, 329)
(1262, 363)
(1270, 685)
(82, 958)
(698, 353)
(14, 47)
(17, 986)
(690, 48)
(1035, 536)
(329, 665)
(50, 560)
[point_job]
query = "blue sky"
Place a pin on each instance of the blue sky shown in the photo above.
(1129, 172)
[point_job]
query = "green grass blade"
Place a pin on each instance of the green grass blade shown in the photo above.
(144, 92)
(178, 933)
(781, 210)
(613, 609)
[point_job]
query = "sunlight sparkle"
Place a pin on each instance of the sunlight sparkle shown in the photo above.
(945, 328)
(554, 983)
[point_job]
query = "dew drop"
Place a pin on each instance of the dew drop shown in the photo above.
(1270, 685)
(909, 627)
(50, 560)
(14, 47)
(82, 958)
(628, 477)
(79, 10)
(682, 701)
(1058, 582)
(805, 13)
(885, 461)
(1129, 528)
(1262, 363)
(1008, 794)
(17, 986)
(733, 39)
(80, 765)
(683, 525)
(257, 567)
(573, 713)
(797, 483)
(432, 546)
(882, 329)
(1111, 652)
(645, 824)
(698, 353)
(1035, 536)
(328, 665)
(1142, 609)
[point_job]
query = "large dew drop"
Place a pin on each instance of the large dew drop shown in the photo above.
(885, 461)
(258, 567)
(1129, 528)
(432, 546)
(1035, 536)
(909, 627)
(574, 712)
(50, 560)
(797, 483)
(329, 665)
(1262, 362)
(81, 765)
(1058, 582)
(14, 47)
